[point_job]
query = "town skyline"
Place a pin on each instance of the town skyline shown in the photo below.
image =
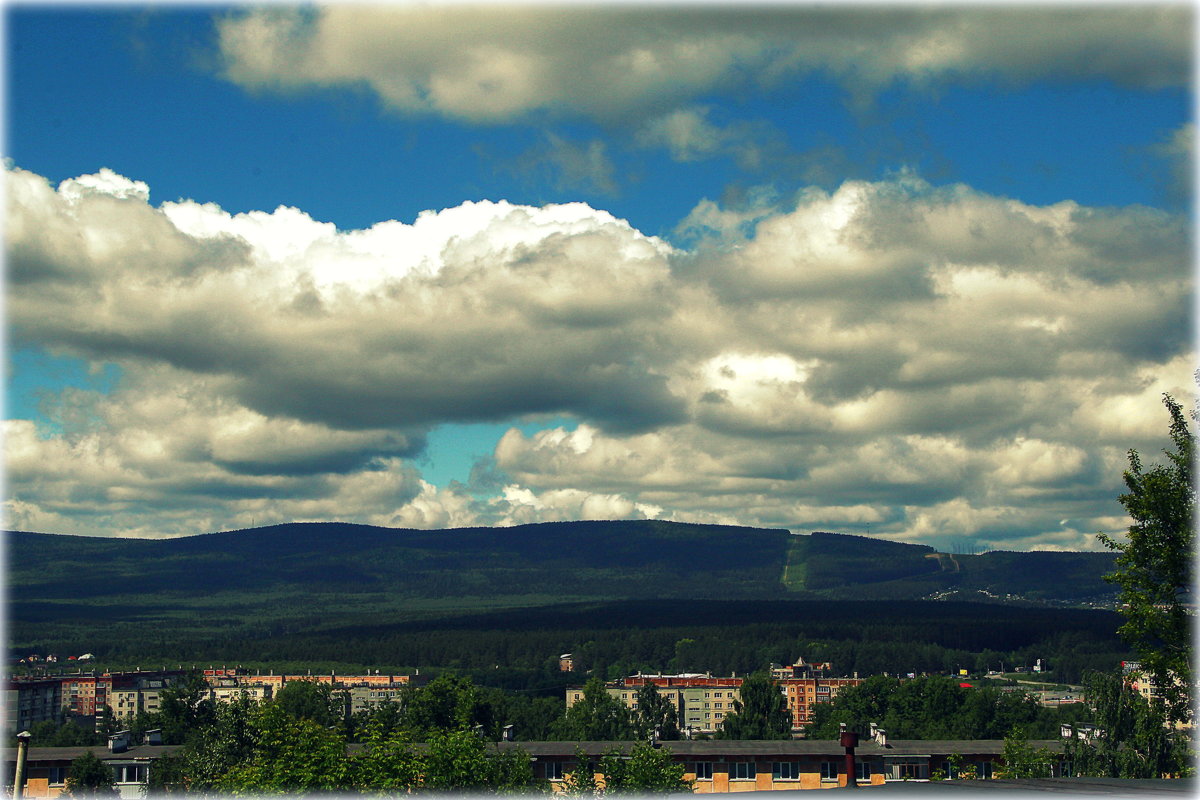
(922, 274)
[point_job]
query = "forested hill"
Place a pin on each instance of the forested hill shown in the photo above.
(202, 593)
(568, 560)
(547, 562)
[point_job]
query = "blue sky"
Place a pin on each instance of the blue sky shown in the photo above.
(926, 272)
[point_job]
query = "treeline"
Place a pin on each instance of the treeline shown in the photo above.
(615, 639)
(939, 708)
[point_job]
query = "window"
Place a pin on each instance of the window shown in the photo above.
(742, 771)
(129, 773)
(717, 705)
(717, 694)
(907, 770)
(983, 770)
(862, 771)
(703, 770)
(949, 771)
(829, 770)
(785, 770)
(57, 775)
(554, 770)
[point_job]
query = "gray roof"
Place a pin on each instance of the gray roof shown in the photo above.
(145, 751)
(789, 747)
(716, 748)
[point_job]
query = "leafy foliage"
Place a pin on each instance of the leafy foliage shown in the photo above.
(1132, 739)
(597, 716)
(1155, 566)
(656, 716)
(931, 708)
(760, 713)
(1023, 760)
(646, 770)
(88, 776)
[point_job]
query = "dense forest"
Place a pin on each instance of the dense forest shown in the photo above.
(502, 604)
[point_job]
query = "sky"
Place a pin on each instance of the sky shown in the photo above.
(918, 273)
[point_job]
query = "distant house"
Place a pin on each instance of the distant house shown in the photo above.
(566, 663)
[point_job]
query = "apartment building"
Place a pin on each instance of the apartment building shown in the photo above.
(802, 695)
(703, 701)
(28, 702)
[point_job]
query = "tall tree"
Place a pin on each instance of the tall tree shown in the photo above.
(655, 713)
(1130, 739)
(597, 717)
(1154, 567)
(88, 776)
(646, 770)
(289, 755)
(1023, 760)
(760, 713)
(447, 703)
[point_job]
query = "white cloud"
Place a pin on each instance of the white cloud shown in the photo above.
(487, 63)
(933, 361)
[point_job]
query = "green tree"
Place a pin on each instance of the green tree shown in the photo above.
(581, 781)
(185, 707)
(1154, 567)
(759, 713)
(1131, 739)
(1023, 760)
(463, 761)
(214, 749)
(319, 702)
(48, 733)
(289, 755)
(597, 717)
(387, 764)
(646, 770)
(655, 712)
(88, 776)
(447, 703)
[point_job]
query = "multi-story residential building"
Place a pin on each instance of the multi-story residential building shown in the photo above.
(31, 701)
(365, 691)
(803, 694)
(703, 701)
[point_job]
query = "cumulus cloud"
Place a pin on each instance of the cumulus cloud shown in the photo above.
(488, 63)
(932, 361)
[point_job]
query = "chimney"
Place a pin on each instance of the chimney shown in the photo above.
(881, 737)
(874, 730)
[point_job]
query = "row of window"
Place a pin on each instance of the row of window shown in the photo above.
(123, 773)
(791, 770)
